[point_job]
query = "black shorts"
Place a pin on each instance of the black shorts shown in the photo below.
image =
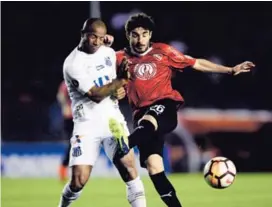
(165, 112)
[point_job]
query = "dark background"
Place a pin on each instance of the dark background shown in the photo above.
(36, 37)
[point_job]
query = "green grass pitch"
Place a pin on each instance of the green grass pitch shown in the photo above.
(248, 190)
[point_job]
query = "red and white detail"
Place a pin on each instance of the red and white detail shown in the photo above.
(145, 71)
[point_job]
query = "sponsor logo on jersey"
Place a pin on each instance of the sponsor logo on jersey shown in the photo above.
(145, 71)
(108, 61)
(100, 67)
(157, 56)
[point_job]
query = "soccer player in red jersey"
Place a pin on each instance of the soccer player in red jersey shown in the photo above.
(152, 98)
(65, 104)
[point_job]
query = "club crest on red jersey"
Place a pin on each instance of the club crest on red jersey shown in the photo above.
(157, 56)
(145, 71)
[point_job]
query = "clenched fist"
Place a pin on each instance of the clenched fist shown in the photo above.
(119, 93)
(122, 69)
(108, 40)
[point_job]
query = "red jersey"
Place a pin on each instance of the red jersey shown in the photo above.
(66, 110)
(151, 74)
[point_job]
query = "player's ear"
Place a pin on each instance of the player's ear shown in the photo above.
(83, 35)
(150, 34)
(127, 36)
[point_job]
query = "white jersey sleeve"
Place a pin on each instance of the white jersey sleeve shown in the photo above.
(80, 78)
(114, 75)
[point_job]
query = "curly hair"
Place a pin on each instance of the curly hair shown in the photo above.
(139, 20)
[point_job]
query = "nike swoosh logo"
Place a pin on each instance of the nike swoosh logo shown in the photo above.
(139, 127)
(167, 195)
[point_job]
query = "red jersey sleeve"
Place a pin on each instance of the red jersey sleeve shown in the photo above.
(119, 57)
(63, 88)
(177, 59)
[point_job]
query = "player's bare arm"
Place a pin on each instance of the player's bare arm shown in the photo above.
(115, 87)
(208, 66)
(97, 94)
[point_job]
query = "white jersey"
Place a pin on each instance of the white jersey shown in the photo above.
(82, 71)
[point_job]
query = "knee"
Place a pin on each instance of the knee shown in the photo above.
(78, 181)
(154, 164)
(150, 119)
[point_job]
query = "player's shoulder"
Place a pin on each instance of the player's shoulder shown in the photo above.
(121, 53)
(72, 57)
(107, 50)
(161, 46)
(72, 60)
(166, 49)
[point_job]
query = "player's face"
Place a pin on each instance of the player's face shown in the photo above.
(96, 38)
(139, 39)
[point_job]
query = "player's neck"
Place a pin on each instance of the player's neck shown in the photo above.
(140, 54)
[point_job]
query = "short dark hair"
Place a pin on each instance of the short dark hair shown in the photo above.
(139, 20)
(90, 23)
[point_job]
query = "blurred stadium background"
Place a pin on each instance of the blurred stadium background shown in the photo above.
(223, 115)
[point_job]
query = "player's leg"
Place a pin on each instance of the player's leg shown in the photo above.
(73, 189)
(153, 121)
(146, 128)
(127, 170)
(151, 158)
(151, 153)
(84, 152)
(147, 125)
(134, 185)
(161, 183)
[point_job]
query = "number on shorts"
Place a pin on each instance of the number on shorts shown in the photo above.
(158, 109)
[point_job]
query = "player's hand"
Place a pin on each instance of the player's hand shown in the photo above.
(108, 40)
(122, 69)
(243, 67)
(120, 93)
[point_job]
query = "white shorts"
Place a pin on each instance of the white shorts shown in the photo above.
(85, 148)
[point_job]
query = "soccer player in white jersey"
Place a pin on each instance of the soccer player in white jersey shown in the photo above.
(90, 75)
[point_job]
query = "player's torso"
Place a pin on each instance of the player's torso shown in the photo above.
(150, 78)
(100, 69)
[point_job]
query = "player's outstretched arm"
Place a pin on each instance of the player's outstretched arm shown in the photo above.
(208, 66)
